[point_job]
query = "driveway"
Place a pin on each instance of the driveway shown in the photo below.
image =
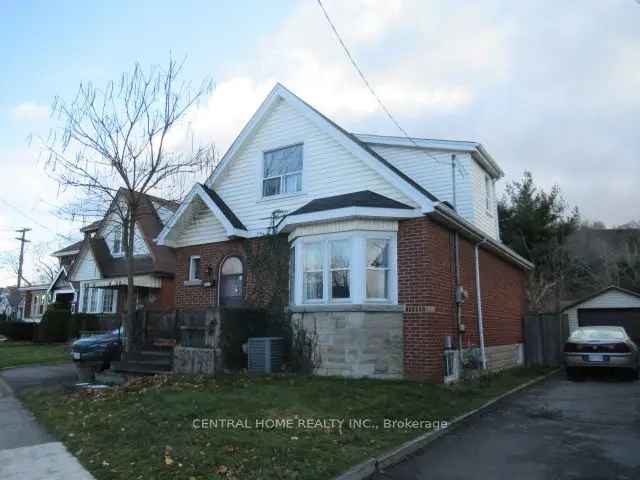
(587, 430)
(27, 451)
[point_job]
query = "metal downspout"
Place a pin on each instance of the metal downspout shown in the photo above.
(479, 306)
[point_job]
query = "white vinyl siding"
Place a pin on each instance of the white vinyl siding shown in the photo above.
(486, 219)
(87, 269)
(111, 226)
(200, 226)
(434, 174)
(432, 170)
(609, 299)
(328, 169)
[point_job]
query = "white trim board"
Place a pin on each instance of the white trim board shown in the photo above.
(199, 192)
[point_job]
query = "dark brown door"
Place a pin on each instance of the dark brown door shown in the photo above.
(629, 318)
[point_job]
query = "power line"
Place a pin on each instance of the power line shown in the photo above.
(37, 222)
(373, 92)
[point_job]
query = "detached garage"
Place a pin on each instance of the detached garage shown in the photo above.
(611, 306)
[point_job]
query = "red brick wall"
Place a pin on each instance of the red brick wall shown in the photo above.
(426, 286)
(212, 254)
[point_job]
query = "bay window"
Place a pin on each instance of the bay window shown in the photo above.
(377, 269)
(339, 267)
(313, 272)
(352, 267)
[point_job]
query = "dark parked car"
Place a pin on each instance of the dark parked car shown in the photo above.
(98, 349)
(593, 347)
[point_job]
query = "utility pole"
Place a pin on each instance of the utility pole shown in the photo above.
(22, 241)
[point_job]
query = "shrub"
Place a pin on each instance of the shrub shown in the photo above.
(55, 325)
(238, 324)
(21, 331)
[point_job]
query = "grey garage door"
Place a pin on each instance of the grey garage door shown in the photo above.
(629, 318)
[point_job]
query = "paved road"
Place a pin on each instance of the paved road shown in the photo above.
(27, 451)
(587, 430)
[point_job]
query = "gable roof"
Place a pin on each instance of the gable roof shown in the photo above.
(160, 260)
(476, 149)
(231, 223)
(393, 175)
(364, 198)
(68, 250)
(601, 292)
(224, 208)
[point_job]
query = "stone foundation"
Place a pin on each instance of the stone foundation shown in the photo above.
(194, 360)
(504, 356)
(356, 343)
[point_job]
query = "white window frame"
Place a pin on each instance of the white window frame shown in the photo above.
(385, 269)
(282, 177)
(117, 233)
(488, 189)
(192, 276)
(357, 268)
(114, 301)
(322, 270)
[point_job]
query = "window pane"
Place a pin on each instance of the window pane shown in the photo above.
(340, 284)
(293, 183)
(282, 161)
(194, 272)
(313, 286)
(270, 187)
(340, 253)
(312, 256)
(107, 300)
(231, 287)
(232, 266)
(377, 253)
(377, 283)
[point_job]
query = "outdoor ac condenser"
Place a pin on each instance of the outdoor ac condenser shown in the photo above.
(265, 354)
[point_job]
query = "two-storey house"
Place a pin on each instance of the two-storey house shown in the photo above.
(396, 263)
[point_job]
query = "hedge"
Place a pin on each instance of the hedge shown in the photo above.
(21, 331)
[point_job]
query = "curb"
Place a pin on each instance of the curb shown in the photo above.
(370, 466)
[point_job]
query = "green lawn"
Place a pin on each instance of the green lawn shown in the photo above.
(146, 430)
(14, 354)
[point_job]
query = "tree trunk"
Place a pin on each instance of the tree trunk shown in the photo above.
(130, 316)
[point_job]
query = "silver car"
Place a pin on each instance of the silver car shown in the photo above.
(600, 347)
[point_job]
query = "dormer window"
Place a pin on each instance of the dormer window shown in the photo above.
(488, 190)
(282, 171)
(117, 239)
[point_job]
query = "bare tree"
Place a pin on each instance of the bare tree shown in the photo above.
(115, 140)
(10, 261)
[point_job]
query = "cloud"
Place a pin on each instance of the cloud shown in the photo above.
(553, 94)
(30, 111)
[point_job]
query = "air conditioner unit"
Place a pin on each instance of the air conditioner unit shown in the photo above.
(265, 354)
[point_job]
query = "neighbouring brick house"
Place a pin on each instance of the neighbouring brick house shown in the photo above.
(387, 275)
(98, 272)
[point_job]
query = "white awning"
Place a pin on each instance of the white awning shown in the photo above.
(138, 280)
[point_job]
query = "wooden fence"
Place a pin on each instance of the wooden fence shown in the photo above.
(544, 337)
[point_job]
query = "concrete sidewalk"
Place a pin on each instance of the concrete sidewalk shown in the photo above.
(27, 451)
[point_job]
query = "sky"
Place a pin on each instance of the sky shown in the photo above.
(546, 86)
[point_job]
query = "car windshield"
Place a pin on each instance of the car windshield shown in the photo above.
(585, 334)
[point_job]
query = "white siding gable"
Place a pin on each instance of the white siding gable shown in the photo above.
(486, 219)
(108, 230)
(432, 170)
(87, 268)
(609, 299)
(328, 169)
(200, 227)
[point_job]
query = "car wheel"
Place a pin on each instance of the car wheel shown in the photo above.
(634, 374)
(572, 373)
